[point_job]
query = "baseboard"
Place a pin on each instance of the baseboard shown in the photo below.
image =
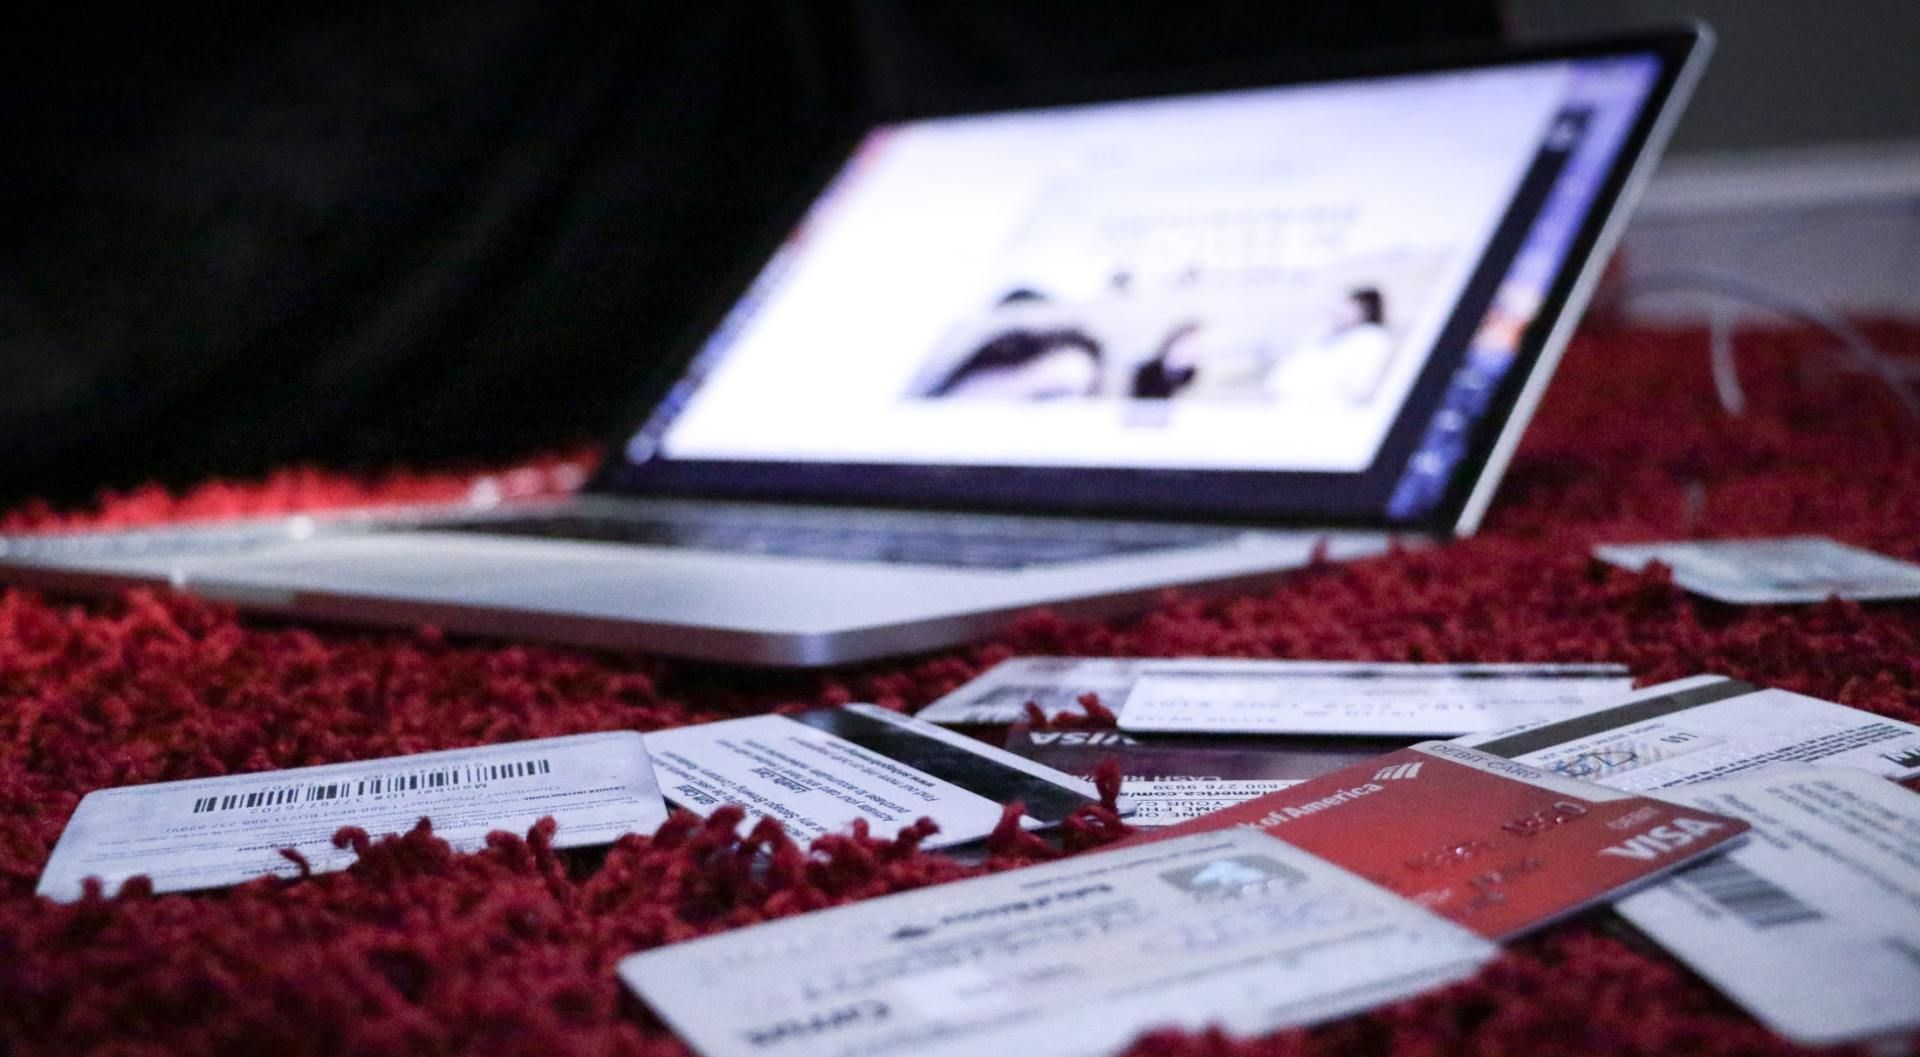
(1836, 225)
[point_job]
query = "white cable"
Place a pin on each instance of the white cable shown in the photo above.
(1866, 357)
(1726, 375)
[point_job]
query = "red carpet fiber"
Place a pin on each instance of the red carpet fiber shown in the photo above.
(511, 951)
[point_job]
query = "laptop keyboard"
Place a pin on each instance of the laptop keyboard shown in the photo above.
(966, 543)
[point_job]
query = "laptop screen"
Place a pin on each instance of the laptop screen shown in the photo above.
(1295, 302)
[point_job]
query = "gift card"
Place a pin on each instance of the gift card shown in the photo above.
(1213, 695)
(1707, 727)
(1077, 957)
(1813, 926)
(213, 832)
(1759, 571)
(820, 770)
(1325, 697)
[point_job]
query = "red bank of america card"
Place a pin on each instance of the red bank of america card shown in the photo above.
(1497, 847)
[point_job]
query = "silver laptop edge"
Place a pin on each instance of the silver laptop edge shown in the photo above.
(765, 609)
(1589, 275)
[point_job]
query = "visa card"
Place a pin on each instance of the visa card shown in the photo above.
(1498, 847)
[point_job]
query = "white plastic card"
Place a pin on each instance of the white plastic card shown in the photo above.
(1070, 959)
(214, 832)
(1813, 925)
(1210, 695)
(1707, 727)
(1382, 700)
(1792, 569)
(820, 770)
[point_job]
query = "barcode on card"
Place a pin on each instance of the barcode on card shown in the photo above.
(1747, 895)
(403, 783)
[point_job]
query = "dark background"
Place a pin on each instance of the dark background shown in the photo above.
(234, 238)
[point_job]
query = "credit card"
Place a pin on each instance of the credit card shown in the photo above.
(1704, 728)
(214, 832)
(1212, 695)
(1813, 926)
(819, 770)
(1073, 958)
(1499, 847)
(1404, 700)
(1787, 570)
(1169, 780)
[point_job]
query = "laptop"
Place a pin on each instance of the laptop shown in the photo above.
(1067, 355)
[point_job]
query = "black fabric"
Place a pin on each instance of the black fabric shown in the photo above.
(368, 234)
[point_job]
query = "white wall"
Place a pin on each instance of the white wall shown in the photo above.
(1788, 72)
(1798, 165)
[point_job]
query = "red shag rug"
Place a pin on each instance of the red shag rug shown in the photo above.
(511, 951)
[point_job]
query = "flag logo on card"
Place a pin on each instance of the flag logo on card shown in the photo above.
(1396, 773)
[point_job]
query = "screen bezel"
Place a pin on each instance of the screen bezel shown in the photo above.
(1169, 494)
